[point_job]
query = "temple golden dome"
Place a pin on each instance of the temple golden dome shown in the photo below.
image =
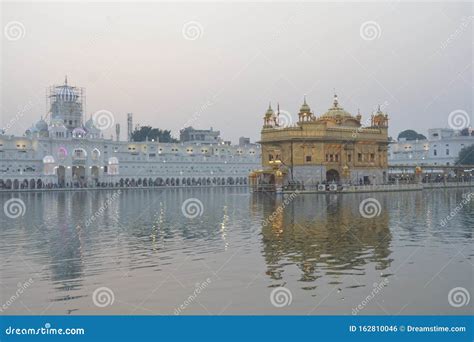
(335, 110)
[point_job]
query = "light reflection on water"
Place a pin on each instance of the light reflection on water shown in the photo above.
(142, 247)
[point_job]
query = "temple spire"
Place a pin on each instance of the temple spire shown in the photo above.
(336, 102)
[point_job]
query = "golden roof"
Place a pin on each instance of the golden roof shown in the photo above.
(335, 110)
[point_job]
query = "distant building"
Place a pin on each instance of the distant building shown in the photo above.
(64, 151)
(243, 141)
(332, 147)
(203, 136)
(442, 147)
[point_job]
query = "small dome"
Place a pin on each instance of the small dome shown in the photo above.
(269, 112)
(90, 127)
(379, 111)
(89, 124)
(78, 132)
(41, 125)
(305, 108)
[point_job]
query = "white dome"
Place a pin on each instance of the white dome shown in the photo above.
(90, 127)
(66, 93)
(41, 125)
(78, 133)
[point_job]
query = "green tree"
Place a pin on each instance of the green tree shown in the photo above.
(410, 134)
(466, 156)
(465, 132)
(151, 133)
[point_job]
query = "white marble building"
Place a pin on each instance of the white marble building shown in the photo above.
(442, 147)
(69, 153)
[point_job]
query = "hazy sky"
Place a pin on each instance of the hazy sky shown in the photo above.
(217, 64)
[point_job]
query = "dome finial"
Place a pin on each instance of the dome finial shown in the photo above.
(304, 99)
(65, 80)
(269, 105)
(336, 102)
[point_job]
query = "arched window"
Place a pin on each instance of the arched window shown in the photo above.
(95, 154)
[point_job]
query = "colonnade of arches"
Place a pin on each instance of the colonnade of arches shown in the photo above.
(37, 183)
(178, 181)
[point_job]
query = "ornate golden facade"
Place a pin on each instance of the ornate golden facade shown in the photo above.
(332, 147)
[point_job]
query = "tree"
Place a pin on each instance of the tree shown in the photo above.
(410, 134)
(466, 156)
(465, 132)
(151, 133)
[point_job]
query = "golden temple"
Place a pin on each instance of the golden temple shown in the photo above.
(332, 148)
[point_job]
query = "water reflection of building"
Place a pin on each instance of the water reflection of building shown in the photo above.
(65, 241)
(322, 236)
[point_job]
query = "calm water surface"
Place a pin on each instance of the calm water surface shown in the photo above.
(152, 257)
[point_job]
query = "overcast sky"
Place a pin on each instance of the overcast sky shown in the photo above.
(219, 65)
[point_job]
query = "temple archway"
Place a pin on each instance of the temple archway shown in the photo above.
(332, 176)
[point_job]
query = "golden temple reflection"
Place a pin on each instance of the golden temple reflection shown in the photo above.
(318, 234)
